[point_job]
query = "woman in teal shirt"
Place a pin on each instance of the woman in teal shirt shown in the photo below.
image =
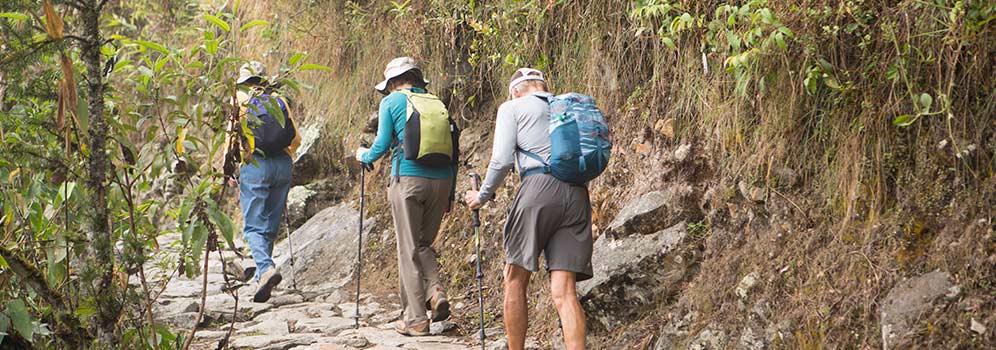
(419, 195)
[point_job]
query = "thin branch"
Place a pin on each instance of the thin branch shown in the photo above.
(79, 39)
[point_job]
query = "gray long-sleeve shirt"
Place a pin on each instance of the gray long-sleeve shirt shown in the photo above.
(521, 124)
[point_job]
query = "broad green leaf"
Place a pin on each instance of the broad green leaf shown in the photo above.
(152, 46)
(197, 242)
(3, 264)
(668, 42)
(251, 24)
(217, 21)
(904, 120)
(296, 58)
(247, 133)
(211, 46)
(4, 326)
(312, 66)
(14, 16)
(780, 40)
(831, 82)
(85, 310)
(274, 110)
(160, 64)
(222, 222)
(925, 102)
(19, 318)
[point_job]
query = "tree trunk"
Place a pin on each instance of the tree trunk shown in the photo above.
(101, 248)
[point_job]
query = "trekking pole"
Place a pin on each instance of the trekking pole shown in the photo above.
(475, 183)
(290, 245)
(364, 167)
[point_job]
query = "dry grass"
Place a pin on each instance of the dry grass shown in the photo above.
(826, 248)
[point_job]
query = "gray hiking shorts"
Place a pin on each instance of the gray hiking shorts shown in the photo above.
(550, 217)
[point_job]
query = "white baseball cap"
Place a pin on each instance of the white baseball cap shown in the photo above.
(252, 69)
(524, 74)
(396, 67)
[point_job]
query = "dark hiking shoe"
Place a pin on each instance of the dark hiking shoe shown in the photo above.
(415, 330)
(271, 278)
(440, 307)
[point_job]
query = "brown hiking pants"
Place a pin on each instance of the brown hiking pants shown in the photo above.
(417, 205)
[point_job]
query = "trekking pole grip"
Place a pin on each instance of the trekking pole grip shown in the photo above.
(475, 184)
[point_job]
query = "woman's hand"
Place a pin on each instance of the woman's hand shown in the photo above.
(360, 152)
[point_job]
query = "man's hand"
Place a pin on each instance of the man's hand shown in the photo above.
(360, 152)
(472, 201)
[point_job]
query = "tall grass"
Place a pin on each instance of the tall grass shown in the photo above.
(825, 107)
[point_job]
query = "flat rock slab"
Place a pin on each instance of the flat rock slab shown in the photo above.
(324, 249)
(324, 325)
(273, 342)
(654, 211)
(633, 271)
(908, 299)
(268, 327)
(393, 339)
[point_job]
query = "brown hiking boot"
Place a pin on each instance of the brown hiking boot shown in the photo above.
(415, 330)
(271, 278)
(440, 306)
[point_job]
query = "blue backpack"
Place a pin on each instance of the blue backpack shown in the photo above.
(579, 139)
(270, 137)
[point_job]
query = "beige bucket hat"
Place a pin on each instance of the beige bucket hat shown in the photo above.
(252, 69)
(396, 67)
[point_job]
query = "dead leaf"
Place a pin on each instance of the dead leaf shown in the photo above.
(53, 23)
(180, 138)
(67, 99)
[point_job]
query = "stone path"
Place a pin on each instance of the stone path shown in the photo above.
(318, 318)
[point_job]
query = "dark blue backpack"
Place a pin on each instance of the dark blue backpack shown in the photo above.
(270, 137)
(579, 139)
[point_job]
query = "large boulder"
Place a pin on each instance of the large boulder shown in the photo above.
(656, 210)
(908, 300)
(303, 202)
(324, 249)
(635, 271)
(306, 162)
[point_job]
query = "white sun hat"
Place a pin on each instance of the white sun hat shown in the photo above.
(396, 67)
(524, 74)
(252, 69)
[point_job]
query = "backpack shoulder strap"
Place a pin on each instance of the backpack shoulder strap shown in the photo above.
(531, 155)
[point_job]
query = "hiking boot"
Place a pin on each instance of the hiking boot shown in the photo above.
(271, 278)
(415, 330)
(440, 306)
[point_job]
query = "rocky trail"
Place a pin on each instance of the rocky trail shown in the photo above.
(318, 314)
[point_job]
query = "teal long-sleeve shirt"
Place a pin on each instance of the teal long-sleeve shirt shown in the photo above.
(392, 116)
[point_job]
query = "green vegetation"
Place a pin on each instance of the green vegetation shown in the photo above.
(95, 173)
(112, 117)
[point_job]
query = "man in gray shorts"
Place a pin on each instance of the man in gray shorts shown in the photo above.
(548, 216)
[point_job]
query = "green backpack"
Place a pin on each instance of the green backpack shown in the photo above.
(431, 137)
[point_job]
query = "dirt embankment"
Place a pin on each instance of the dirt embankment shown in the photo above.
(809, 206)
